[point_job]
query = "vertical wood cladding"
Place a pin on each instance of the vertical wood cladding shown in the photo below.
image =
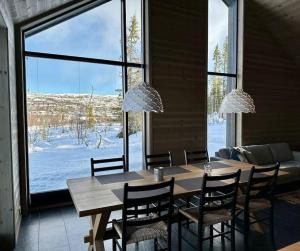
(178, 70)
(10, 218)
(272, 79)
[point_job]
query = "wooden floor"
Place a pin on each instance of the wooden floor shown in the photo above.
(62, 230)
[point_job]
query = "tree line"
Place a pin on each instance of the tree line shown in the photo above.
(217, 85)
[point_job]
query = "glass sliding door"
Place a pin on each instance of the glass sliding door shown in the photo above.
(75, 83)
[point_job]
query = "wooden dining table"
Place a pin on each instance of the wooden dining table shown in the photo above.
(98, 196)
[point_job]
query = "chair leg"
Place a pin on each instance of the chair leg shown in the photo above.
(179, 232)
(169, 239)
(114, 240)
(124, 246)
(188, 205)
(211, 234)
(272, 226)
(246, 229)
(232, 235)
(222, 231)
(200, 237)
(114, 244)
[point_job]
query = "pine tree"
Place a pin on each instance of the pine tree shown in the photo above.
(134, 75)
(218, 85)
(217, 59)
(133, 39)
(225, 66)
(91, 121)
(216, 82)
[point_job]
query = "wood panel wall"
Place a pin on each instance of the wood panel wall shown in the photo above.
(272, 79)
(283, 19)
(178, 70)
(10, 217)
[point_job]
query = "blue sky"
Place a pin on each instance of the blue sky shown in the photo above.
(97, 34)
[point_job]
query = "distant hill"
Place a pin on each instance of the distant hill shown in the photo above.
(65, 108)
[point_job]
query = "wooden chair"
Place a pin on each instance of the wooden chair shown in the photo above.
(155, 160)
(192, 157)
(114, 164)
(150, 222)
(217, 205)
(120, 165)
(165, 159)
(258, 196)
(195, 156)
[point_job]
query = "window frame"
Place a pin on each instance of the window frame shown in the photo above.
(231, 119)
(46, 198)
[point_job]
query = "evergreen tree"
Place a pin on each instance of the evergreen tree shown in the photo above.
(225, 56)
(134, 75)
(216, 81)
(91, 121)
(225, 61)
(218, 85)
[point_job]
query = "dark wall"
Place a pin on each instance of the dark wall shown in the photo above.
(272, 79)
(178, 68)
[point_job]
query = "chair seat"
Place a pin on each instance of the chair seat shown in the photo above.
(142, 233)
(209, 218)
(254, 204)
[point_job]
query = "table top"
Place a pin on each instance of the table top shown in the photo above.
(94, 195)
(293, 247)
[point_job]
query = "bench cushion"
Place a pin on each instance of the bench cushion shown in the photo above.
(281, 152)
(259, 154)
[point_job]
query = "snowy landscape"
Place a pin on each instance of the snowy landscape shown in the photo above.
(56, 153)
(61, 157)
(65, 127)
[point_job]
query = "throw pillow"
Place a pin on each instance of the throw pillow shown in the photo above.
(234, 154)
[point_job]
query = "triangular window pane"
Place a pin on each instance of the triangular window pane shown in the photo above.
(95, 33)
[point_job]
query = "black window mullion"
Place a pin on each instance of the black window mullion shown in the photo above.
(145, 128)
(221, 74)
(80, 59)
(125, 80)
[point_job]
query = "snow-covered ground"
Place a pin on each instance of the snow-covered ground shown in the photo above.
(216, 136)
(60, 157)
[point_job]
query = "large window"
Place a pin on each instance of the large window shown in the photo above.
(77, 71)
(222, 32)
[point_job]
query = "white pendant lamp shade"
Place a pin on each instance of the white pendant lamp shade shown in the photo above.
(142, 97)
(237, 101)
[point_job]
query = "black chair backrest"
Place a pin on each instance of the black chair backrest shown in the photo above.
(138, 198)
(119, 164)
(155, 160)
(219, 192)
(261, 183)
(195, 156)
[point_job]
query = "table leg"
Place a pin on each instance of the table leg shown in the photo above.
(96, 234)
